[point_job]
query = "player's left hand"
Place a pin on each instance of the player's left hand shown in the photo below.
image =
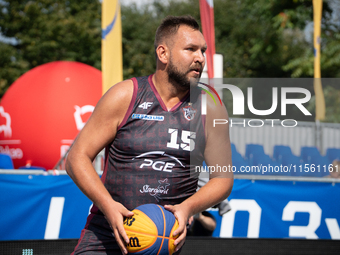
(182, 217)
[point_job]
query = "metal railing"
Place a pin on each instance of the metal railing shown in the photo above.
(321, 135)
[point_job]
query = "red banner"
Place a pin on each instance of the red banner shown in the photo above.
(208, 27)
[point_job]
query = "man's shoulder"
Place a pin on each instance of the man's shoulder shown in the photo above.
(140, 80)
(142, 77)
(127, 88)
(119, 93)
(122, 88)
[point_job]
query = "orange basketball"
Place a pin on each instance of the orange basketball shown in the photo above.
(150, 230)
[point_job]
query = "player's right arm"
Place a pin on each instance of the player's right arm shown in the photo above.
(99, 131)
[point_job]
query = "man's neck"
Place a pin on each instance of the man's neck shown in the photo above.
(169, 93)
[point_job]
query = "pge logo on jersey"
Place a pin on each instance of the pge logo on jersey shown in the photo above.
(159, 165)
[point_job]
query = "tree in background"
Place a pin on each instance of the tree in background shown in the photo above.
(303, 65)
(45, 31)
(139, 26)
(257, 38)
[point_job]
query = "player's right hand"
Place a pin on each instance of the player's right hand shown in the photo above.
(182, 217)
(115, 217)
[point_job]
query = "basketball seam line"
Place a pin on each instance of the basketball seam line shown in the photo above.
(157, 236)
(164, 228)
(144, 233)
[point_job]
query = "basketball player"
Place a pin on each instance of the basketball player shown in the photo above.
(154, 133)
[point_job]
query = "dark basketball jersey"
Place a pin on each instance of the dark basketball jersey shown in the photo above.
(153, 156)
(149, 159)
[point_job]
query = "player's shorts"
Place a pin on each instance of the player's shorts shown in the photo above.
(97, 238)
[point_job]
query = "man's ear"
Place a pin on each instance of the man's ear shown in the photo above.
(162, 52)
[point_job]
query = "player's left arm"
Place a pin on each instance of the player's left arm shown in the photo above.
(217, 153)
(218, 156)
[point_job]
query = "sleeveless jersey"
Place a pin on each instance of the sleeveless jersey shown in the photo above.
(151, 159)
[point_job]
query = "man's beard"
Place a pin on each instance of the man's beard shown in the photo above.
(179, 79)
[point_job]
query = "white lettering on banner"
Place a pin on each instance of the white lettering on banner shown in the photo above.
(79, 112)
(248, 205)
(54, 218)
(63, 150)
(314, 218)
(15, 153)
(333, 228)
(6, 128)
(254, 210)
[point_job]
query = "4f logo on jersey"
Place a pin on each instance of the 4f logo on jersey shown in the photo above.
(189, 112)
(145, 105)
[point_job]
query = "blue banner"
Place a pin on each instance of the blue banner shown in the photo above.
(41, 207)
(52, 207)
(281, 209)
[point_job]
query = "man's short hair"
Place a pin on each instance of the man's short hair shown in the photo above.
(170, 25)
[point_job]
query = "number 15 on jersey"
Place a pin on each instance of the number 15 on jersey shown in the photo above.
(187, 139)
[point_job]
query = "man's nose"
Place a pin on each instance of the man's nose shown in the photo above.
(200, 57)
